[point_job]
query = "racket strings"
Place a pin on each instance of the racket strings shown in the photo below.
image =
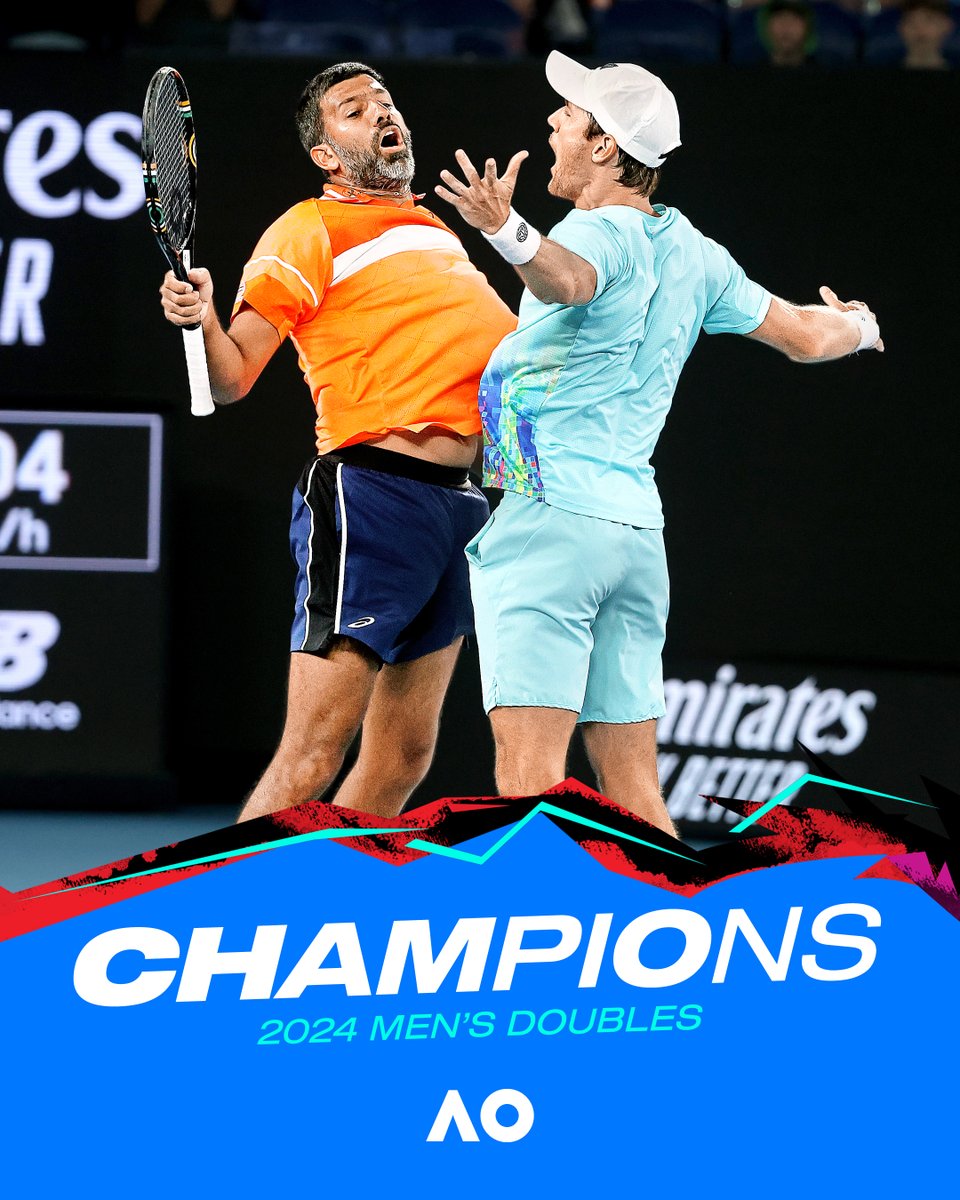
(173, 168)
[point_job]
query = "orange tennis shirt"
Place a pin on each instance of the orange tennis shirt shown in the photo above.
(392, 322)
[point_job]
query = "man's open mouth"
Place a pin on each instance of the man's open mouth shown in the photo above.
(391, 138)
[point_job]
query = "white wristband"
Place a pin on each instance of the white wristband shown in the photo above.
(515, 240)
(868, 328)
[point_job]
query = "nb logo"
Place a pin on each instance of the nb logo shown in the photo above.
(453, 1111)
(362, 623)
(25, 637)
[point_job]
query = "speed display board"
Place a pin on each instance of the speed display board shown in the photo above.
(101, 514)
(81, 608)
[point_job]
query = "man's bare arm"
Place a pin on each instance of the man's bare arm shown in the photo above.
(555, 274)
(235, 356)
(814, 333)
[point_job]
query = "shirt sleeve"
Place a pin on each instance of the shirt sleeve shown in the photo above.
(735, 303)
(597, 240)
(289, 271)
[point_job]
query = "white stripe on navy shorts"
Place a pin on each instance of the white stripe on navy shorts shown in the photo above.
(379, 553)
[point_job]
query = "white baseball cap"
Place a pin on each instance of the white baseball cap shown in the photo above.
(628, 102)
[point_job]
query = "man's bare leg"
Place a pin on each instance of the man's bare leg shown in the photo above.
(326, 701)
(531, 746)
(624, 758)
(399, 733)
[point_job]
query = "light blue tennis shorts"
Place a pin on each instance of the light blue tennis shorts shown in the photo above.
(571, 612)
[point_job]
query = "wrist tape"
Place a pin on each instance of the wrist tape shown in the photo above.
(515, 240)
(867, 327)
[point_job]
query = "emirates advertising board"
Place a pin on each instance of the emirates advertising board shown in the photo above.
(750, 730)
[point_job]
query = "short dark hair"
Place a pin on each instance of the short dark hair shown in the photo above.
(309, 117)
(636, 176)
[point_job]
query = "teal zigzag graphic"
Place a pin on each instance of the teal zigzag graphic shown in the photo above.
(791, 789)
(550, 810)
(315, 835)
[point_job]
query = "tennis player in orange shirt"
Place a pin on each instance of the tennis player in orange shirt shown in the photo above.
(393, 326)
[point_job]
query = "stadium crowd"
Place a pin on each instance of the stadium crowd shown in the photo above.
(916, 34)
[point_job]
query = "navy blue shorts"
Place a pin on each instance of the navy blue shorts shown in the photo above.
(378, 540)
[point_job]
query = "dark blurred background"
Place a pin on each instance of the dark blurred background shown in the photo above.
(145, 582)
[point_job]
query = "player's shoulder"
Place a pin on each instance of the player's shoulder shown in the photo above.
(617, 220)
(303, 213)
(619, 229)
(300, 225)
(590, 223)
(684, 231)
(685, 227)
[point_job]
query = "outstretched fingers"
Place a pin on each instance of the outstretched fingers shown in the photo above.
(513, 167)
(450, 197)
(482, 200)
(469, 170)
(457, 186)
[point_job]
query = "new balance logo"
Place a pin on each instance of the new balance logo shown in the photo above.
(25, 637)
(362, 623)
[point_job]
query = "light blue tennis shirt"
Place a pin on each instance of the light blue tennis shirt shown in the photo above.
(573, 400)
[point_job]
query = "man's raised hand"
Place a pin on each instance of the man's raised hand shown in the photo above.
(832, 300)
(482, 200)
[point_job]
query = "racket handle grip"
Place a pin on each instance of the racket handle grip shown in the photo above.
(201, 398)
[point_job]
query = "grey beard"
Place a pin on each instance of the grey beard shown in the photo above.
(370, 169)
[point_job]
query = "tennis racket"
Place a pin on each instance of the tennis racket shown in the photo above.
(169, 148)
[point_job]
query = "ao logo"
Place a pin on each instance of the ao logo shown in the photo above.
(25, 638)
(453, 1111)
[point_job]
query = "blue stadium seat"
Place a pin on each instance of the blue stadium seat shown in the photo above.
(839, 36)
(342, 29)
(660, 30)
(459, 28)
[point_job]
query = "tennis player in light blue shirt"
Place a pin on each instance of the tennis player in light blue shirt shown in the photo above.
(574, 400)
(569, 576)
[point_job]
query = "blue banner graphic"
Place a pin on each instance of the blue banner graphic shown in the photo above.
(529, 1021)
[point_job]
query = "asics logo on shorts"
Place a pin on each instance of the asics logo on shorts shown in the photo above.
(362, 623)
